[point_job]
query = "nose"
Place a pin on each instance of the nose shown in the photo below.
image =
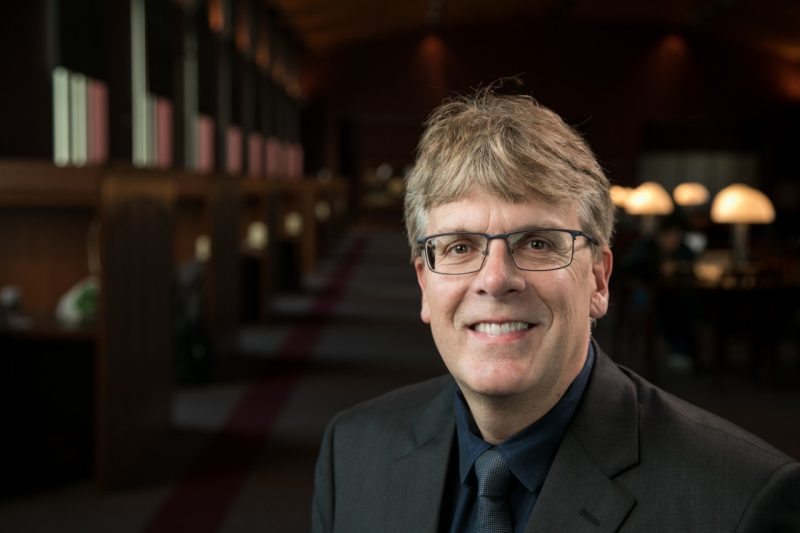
(499, 275)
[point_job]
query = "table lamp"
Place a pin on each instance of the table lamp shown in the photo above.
(741, 205)
(648, 200)
(619, 194)
(690, 194)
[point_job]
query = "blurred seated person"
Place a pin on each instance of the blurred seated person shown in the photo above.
(658, 269)
(662, 256)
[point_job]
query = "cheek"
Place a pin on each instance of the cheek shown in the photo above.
(568, 296)
(441, 303)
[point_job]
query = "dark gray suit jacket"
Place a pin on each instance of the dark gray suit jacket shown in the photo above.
(634, 458)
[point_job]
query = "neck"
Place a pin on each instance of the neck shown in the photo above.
(500, 418)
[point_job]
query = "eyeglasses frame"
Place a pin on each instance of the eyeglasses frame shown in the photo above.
(493, 236)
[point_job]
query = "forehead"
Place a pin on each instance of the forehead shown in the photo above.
(482, 212)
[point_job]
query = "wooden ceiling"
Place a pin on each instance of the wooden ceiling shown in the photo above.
(328, 25)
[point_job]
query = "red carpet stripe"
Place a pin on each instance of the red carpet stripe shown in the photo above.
(199, 502)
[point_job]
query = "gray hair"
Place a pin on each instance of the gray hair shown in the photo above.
(511, 147)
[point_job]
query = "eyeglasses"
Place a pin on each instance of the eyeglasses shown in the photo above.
(535, 249)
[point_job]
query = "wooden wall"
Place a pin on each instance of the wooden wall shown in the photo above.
(626, 88)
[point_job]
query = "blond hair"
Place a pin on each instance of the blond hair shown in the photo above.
(511, 147)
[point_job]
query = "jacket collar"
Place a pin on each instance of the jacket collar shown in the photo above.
(601, 442)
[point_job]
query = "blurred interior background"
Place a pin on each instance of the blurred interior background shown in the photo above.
(201, 250)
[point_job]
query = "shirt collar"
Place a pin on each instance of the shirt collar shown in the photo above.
(530, 452)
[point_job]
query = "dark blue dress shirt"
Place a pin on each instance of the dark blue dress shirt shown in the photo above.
(528, 454)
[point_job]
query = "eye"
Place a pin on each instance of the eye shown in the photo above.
(459, 245)
(459, 248)
(537, 244)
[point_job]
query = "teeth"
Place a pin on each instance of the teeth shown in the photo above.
(499, 329)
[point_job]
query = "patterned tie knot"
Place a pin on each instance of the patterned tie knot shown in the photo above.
(494, 477)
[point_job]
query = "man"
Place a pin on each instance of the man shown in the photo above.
(535, 429)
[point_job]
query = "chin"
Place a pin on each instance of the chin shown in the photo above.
(497, 385)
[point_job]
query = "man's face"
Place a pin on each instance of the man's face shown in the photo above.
(547, 314)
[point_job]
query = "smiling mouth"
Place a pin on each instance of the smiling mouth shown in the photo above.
(490, 328)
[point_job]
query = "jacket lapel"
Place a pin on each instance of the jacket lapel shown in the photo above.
(579, 494)
(417, 476)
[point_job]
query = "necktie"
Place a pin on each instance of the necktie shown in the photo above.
(492, 512)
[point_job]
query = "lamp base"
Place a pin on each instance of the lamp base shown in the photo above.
(649, 224)
(739, 237)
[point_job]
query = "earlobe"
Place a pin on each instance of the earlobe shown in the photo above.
(420, 269)
(601, 271)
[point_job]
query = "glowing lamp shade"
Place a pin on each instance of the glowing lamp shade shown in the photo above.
(202, 248)
(257, 236)
(741, 204)
(293, 224)
(649, 198)
(619, 194)
(690, 193)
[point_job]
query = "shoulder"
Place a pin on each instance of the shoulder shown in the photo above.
(667, 419)
(624, 421)
(355, 476)
(395, 410)
(719, 474)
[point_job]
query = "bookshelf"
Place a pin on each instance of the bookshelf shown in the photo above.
(163, 131)
(59, 225)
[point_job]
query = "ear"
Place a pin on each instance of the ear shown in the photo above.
(601, 271)
(422, 272)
